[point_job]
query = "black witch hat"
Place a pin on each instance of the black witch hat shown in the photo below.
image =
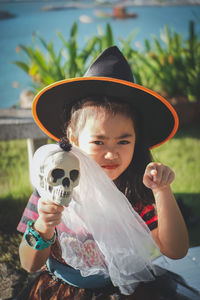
(110, 75)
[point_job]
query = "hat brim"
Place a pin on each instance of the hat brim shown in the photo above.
(159, 117)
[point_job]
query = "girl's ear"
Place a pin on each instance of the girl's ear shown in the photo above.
(73, 140)
(71, 137)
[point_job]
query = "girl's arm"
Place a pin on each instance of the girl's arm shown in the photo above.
(49, 217)
(171, 234)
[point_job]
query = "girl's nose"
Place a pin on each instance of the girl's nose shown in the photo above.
(111, 155)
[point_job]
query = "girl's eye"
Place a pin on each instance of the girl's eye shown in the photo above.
(97, 142)
(124, 142)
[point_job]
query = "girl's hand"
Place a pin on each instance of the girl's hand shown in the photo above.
(49, 217)
(157, 176)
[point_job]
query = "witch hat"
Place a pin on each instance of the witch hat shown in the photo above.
(109, 75)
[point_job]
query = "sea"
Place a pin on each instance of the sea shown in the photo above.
(36, 17)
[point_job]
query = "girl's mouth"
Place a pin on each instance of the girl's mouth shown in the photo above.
(109, 167)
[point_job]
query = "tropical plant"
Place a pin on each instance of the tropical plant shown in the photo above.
(171, 66)
(45, 66)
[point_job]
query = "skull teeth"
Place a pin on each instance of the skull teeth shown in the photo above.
(58, 193)
(65, 194)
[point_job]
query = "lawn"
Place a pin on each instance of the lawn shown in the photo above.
(181, 154)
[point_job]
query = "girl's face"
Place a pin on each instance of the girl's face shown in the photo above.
(110, 141)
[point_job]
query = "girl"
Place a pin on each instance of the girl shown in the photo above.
(115, 122)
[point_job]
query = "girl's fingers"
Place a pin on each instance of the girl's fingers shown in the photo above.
(167, 176)
(171, 177)
(163, 178)
(148, 181)
(157, 176)
(44, 225)
(50, 219)
(153, 172)
(49, 213)
(52, 222)
(49, 207)
(151, 176)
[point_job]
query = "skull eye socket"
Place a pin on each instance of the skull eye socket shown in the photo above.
(66, 182)
(57, 174)
(74, 174)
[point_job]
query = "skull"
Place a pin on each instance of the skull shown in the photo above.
(59, 174)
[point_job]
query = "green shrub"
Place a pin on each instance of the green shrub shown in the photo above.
(45, 66)
(170, 66)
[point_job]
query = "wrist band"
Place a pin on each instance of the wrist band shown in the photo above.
(35, 240)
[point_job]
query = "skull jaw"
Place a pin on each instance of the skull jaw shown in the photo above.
(63, 201)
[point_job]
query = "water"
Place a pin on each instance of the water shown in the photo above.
(30, 18)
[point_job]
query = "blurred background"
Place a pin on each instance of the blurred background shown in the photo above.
(21, 21)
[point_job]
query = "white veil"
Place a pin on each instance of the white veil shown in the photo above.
(101, 233)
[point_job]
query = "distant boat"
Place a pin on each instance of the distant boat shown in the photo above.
(57, 7)
(85, 19)
(118, 12)
(102, 2)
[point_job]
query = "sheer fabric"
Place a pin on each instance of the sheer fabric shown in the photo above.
(103, 234)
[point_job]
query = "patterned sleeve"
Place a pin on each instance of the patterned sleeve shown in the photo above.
(148, 214)
(30, 212)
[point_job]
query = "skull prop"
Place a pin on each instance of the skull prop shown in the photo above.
(59, 174)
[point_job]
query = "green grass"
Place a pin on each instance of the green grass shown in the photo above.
(182, 154)
(14, 172)
(14, 191)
